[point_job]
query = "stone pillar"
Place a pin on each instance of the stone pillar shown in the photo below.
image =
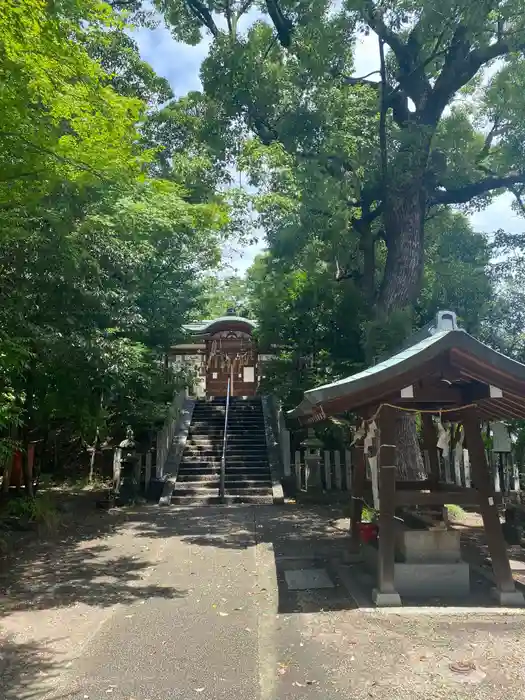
(312, 447)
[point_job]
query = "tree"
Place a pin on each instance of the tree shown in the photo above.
(101, 260)
(392, 154)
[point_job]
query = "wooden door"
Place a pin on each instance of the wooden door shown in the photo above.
(235, 362)
(218, 372)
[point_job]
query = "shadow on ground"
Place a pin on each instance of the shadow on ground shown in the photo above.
(77, 564)
(23, 666)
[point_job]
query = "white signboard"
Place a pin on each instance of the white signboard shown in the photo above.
(249, 374)
(500, 438)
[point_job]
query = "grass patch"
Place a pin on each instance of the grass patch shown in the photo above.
(455, 512)
(39, 512)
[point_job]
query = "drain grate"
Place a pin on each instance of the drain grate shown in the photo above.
(305, 579)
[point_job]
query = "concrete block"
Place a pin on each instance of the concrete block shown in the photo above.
(508, 599)
(429, 546)
(430, 580)
(386, 600)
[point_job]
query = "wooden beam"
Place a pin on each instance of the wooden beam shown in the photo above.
(488, 508)
(464, 497)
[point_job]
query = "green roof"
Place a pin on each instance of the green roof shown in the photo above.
(430, 342)
(203, 326)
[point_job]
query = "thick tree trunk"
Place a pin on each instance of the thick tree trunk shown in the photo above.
(404, 262)
(400, 286)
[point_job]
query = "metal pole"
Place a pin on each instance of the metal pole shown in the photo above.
(224, 443)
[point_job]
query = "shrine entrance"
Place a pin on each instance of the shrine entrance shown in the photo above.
(231, 355)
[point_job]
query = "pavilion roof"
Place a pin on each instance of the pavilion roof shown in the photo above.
(442, 367)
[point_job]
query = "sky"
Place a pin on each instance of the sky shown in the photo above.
(180, 64)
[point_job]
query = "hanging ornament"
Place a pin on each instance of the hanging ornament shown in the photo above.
(458, 447)
(359, 433)
(443, 441)
(369, 439)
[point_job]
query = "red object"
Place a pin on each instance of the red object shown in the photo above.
(368, 532)
(16, 471)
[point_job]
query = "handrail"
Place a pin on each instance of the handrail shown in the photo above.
(222, 481)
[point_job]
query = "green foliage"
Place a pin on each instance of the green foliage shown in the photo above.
(104, 247)
(40, 511)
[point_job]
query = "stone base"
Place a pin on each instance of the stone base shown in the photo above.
(386, 600)
(351, 556)
(508, 599)
(420, 580)
(429, 546)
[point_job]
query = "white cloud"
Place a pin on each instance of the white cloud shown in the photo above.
(177, 62)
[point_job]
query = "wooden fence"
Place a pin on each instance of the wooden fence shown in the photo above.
(336, 470)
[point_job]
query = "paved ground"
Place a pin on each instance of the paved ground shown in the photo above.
(196, 603)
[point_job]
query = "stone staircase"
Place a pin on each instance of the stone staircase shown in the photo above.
(248, 478)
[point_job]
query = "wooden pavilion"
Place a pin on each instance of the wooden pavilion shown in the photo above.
(443, 373)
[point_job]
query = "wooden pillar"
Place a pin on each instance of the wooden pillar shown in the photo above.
(505, 588)
(147, 472)
(385, 594)
(357, 493)
(117, 465)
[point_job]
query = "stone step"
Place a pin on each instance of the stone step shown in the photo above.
(203, 489)
(215, 500)
(217, 446)
(233, 474)
(231, 463)
(233, 480)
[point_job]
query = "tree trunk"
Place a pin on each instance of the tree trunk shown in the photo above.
(404, 262)
(404, 218)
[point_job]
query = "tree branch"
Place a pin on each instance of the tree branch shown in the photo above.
(201, 12)
(411, 74)
(464, 194)
(461, 65)
(282, 24)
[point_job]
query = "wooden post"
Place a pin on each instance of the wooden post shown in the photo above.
(515, 475)
(284, 439)
(337, 471)
(147, 471)
(358, 487)
(348, 470)
(327, 471)
(505, 591)
(137, 469)
(466, 465)
(298, 481)
(385, 594)
(117, 460)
